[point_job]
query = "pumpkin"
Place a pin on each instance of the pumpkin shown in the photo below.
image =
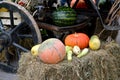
(52, 51)
(77, 39)
(64, 16)
(80, 4)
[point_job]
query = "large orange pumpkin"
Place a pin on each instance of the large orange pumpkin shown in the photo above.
(52, 51)
(79, 39)
(80, 4)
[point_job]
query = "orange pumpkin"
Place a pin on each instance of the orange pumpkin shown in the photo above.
(80, 4)
(79, 39)
(52, 51)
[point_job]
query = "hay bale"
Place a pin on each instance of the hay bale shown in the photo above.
(114, 49)
(97, 65)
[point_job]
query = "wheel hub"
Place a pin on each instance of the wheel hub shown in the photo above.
(5, 39)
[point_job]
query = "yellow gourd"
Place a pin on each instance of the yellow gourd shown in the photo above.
(94, 42)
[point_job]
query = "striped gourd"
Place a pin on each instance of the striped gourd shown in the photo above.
(64, 16)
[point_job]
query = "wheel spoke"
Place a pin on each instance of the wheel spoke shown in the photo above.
(17, 27)
(18, 53)
(1, 26)
(11, 19)
(20, 47)
(24, 35)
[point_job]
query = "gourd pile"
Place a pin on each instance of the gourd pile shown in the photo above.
(53, 50)
(79, 43)
(50, 51)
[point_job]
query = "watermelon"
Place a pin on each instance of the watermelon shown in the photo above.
(64, 16)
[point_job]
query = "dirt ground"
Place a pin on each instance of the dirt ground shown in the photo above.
(7, 76)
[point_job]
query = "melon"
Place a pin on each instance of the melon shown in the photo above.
(64, 16)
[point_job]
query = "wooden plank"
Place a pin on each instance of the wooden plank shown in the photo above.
(7, 21)
(5, 17)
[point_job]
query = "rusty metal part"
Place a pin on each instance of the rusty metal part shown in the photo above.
(107, 27)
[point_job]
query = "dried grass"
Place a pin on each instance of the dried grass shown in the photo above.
(97, 65)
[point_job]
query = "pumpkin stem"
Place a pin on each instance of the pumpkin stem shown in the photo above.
(76, 34)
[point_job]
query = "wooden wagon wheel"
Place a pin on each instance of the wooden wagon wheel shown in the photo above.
(13, 37)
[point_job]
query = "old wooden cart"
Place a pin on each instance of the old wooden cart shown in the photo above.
(22, 27)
